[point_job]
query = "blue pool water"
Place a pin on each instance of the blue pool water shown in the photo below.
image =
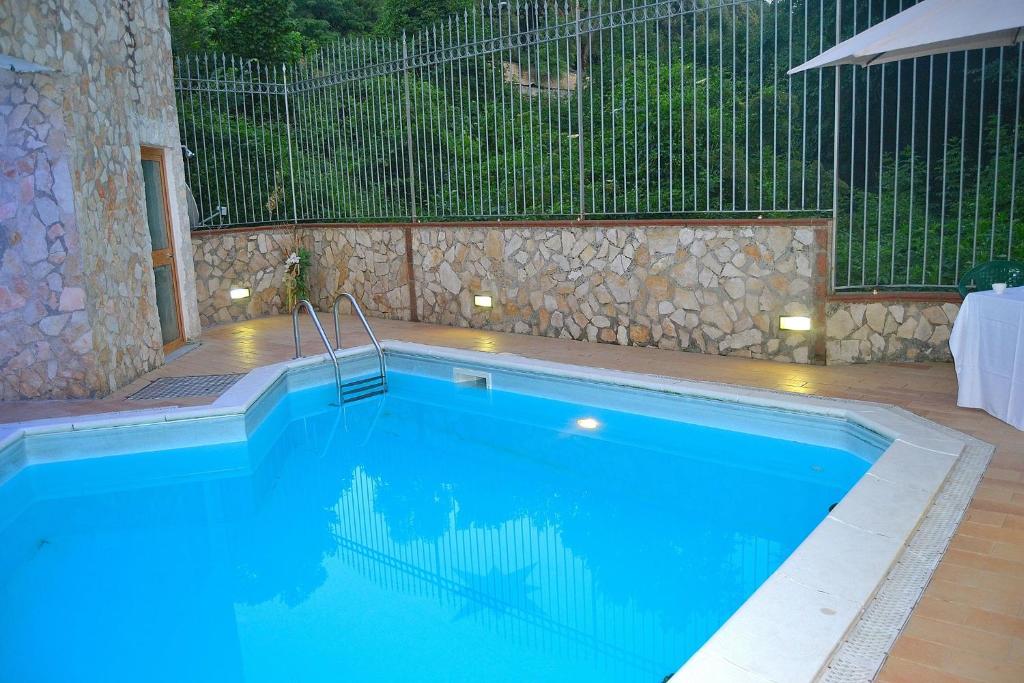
(437, 534)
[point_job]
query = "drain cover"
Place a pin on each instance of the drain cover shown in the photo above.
(179, 387)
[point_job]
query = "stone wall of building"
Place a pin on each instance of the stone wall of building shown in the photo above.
(894, 331)
(109, 91)
(46, 342)
(715, 289)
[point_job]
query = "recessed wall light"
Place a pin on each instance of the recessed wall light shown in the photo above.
(239, 293)
(483, 300)
(794, 322)
(587, 423)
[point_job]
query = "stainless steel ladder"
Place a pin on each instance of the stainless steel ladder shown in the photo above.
(304, 303)
(369, 386)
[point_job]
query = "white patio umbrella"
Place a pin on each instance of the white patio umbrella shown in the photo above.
(929, 27)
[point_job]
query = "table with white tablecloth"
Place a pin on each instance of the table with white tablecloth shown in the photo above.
(988, 347)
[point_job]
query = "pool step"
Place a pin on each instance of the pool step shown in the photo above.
(363, 388)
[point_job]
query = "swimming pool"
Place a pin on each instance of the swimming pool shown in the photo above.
(487, 519)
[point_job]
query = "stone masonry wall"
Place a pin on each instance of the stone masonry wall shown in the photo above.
(711, 289)
(108, 91)
(369, 263)
(238, 259)
(45, 336)
(894, 331)
(715, 289)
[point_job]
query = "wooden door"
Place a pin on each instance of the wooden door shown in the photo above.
(158, 216)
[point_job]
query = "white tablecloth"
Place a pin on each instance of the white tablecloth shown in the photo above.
(988, 346)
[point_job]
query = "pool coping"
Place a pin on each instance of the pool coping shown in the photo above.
(800, 623)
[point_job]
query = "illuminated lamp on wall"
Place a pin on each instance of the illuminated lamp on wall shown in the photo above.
(795, 322)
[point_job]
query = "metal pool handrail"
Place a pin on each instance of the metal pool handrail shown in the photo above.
(366, 326)
(303, 303)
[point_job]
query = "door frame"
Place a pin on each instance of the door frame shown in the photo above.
(165, 257)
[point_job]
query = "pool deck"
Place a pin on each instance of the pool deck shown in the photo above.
(969, 626)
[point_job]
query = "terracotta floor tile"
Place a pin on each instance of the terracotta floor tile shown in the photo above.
(986, 503)
(971, 577)
(898, 670)
(1004, 479)
(996, 623)
(971, 544)
(987, 563)
(985, 517)
(956, 661)
(994, 494)
(1013, 550)
(959, 636)
(992, 532)
(1013, 521)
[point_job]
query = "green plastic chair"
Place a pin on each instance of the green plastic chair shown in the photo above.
(980, 277)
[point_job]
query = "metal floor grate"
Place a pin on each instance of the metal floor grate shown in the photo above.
(180, 387)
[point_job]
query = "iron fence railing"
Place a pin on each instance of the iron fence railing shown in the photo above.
(236, 130)
(631, 109)
(928, 156)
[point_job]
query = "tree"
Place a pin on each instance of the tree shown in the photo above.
(410, 16)
(260, 29)
(269, 30)
(337, 18)
(192, 25)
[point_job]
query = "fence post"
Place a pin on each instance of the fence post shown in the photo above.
(408, 128)
(579, 109)
(410, 166)
(288, 134)
(835, 161)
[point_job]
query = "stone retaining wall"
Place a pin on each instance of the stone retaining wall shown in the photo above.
(226, 260)
(370, 263)
(706, 288)
(894, 331)
(714, 289)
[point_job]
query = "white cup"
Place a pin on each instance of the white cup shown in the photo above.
(998, 287)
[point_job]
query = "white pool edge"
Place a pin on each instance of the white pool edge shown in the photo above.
(863, 651)
(796, 623)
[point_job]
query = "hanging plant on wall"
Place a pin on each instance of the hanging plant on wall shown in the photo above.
(296, 274)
